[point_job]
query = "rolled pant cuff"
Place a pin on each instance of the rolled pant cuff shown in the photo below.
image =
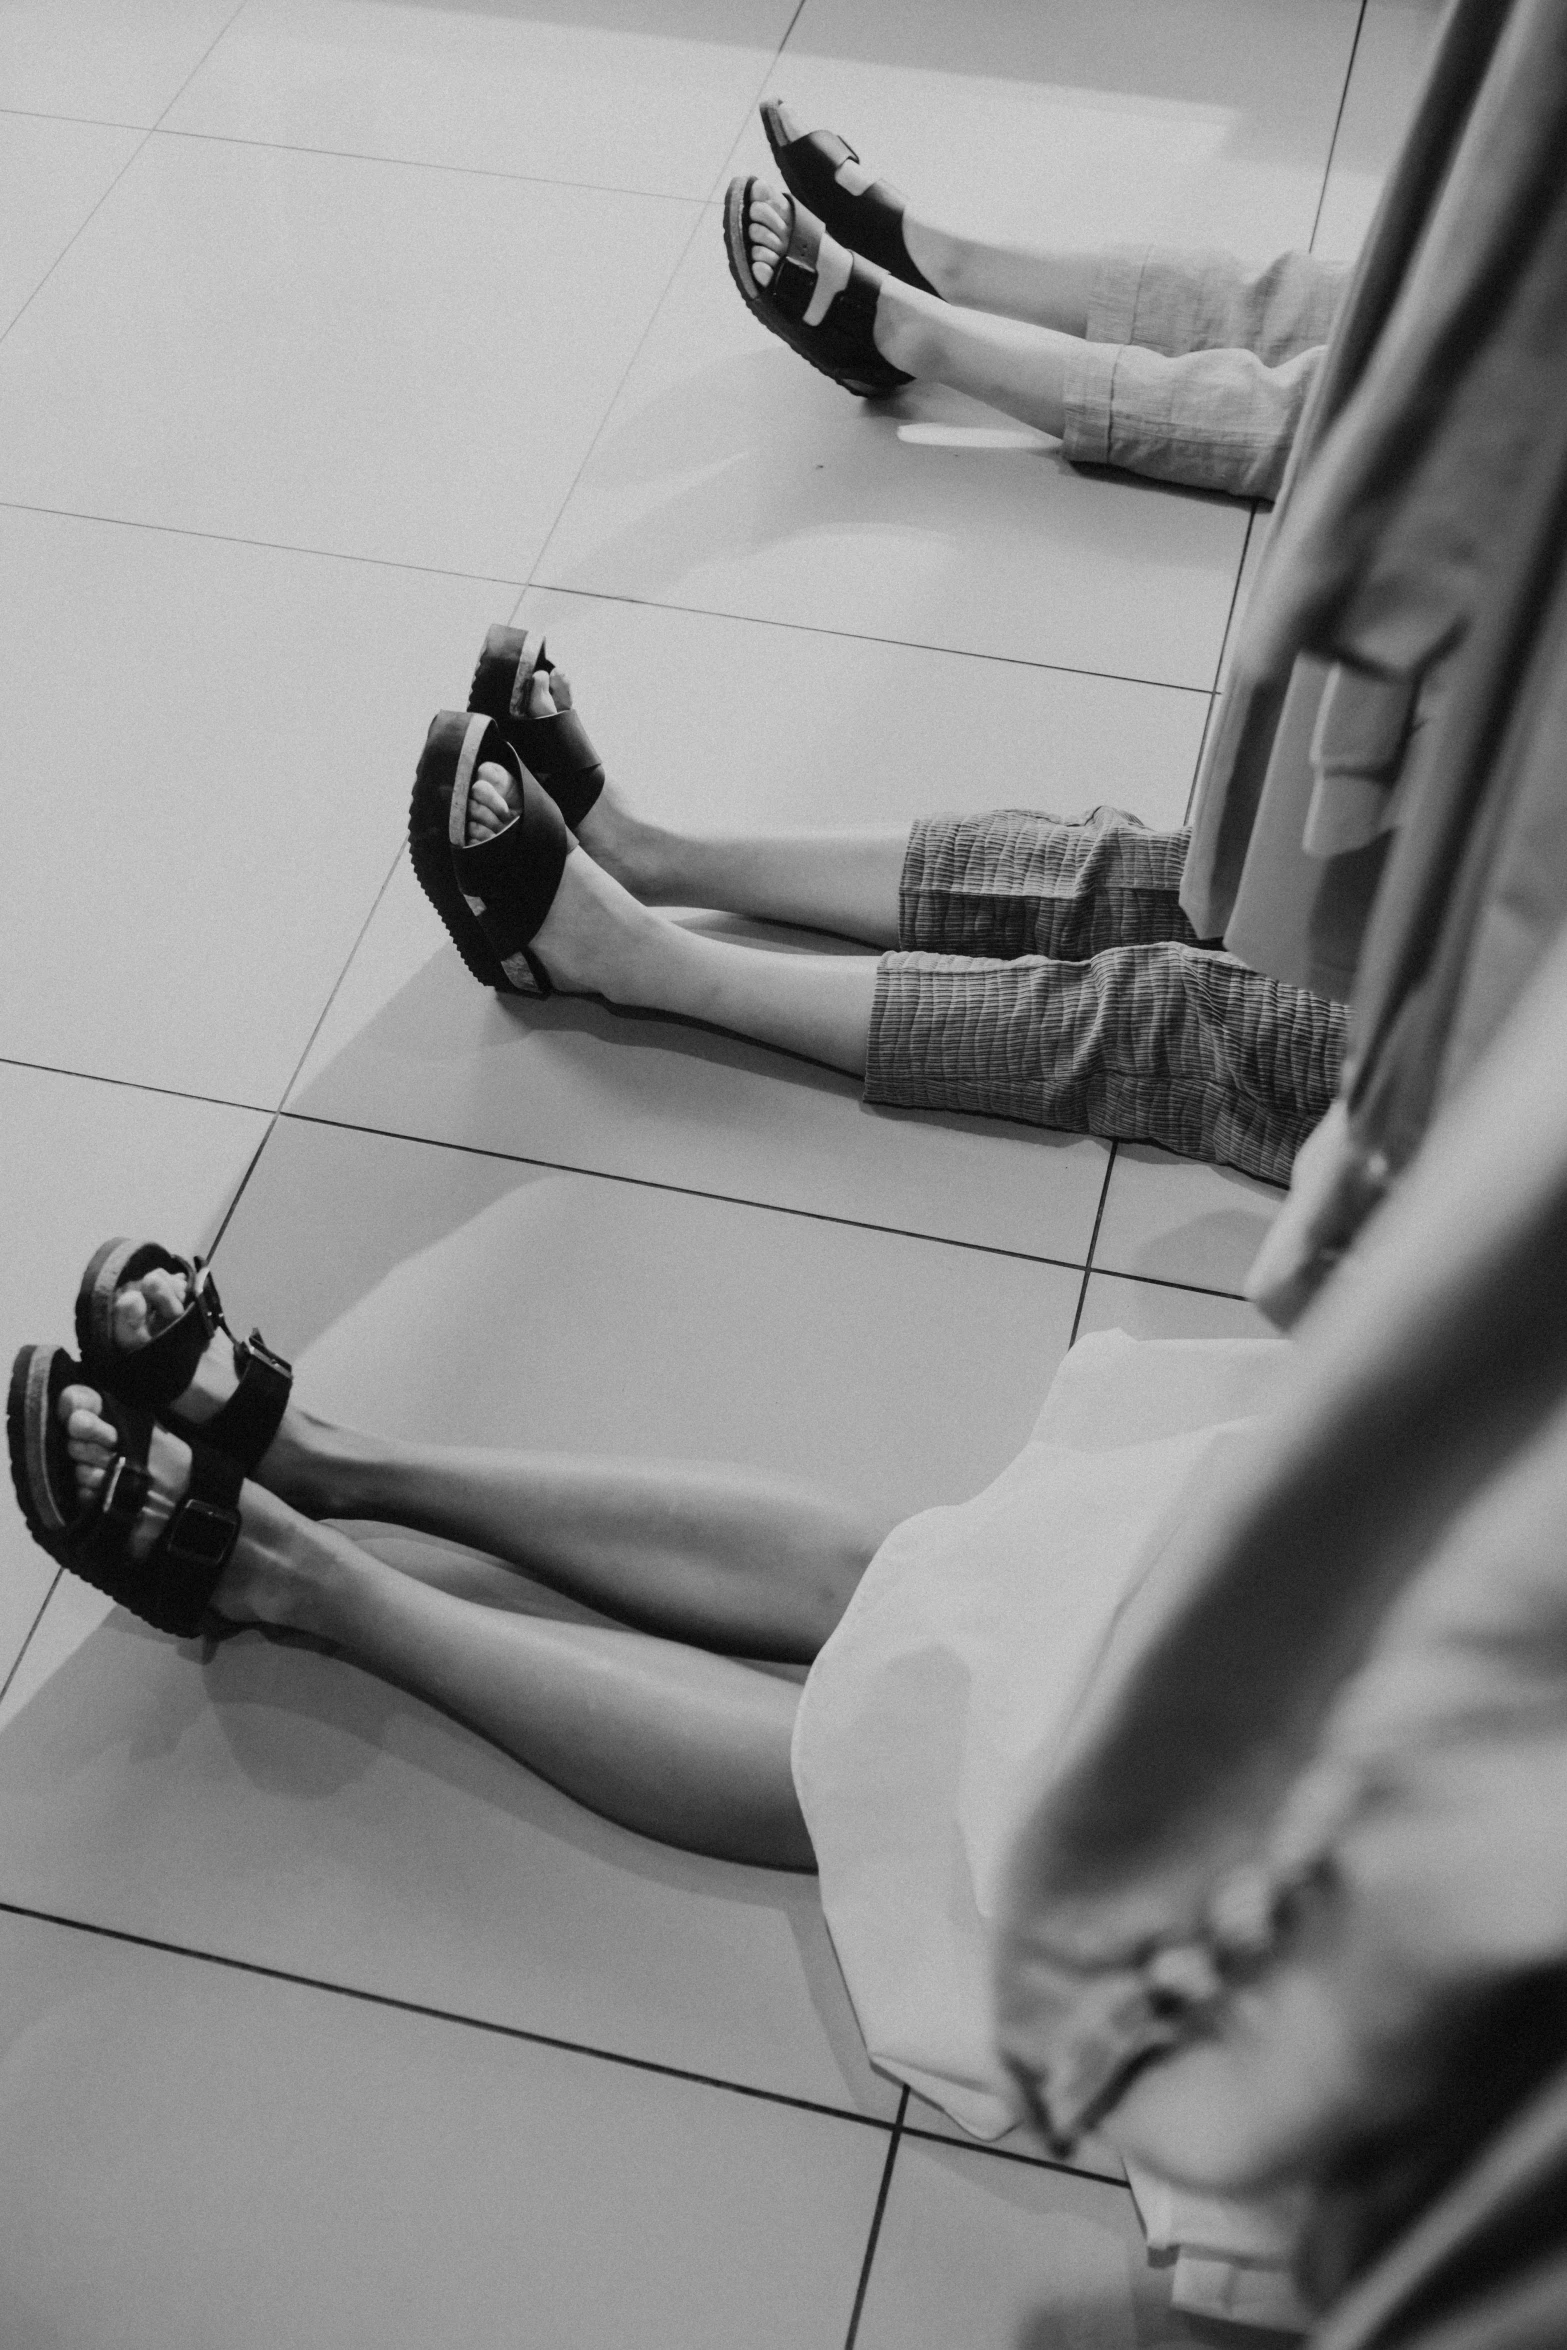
(1169, 1044)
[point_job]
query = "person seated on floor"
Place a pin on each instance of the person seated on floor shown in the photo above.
(1183, 365)
(172, 1469)
(1028, 967)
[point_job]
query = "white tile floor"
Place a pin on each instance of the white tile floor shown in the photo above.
(331, 330)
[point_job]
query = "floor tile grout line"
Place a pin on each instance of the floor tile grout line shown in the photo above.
(243, 1185)
(16, 1661)
(336, 986)
(86, 122)
(228, 538)
(731, 1199)
(1093, 1242)
(1338, 124)
(444, 2015)
(965, 2145)
(523, 179)
(754, 101)
(602, 426)
(78, 233)
(1224, 646)
(476, 1150)
(873, 2237)
(1202, 750)
(221, 34)
(858, 636)
(176, 1093)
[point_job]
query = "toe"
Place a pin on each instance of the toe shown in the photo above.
(129, 1320)
(560, 689)
(166, 1295)
(489, 808)
(788, 123)
(541, 703)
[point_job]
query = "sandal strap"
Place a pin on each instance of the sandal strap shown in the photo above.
(852, 310)
(245, 1426)
(793, 287)
(559, 752)
(155, 1374)
(510, 879)
(172, 1586)
(869, 222)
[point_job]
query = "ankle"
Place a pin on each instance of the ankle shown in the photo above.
(285, 1573)
(907, 329)
(321, 1470)
(642, 857)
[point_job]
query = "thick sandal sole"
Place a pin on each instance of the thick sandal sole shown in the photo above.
(508, 655)
(852, 232)
(429, 847)
(100, 1283)
(29, 1409)
(801, 340)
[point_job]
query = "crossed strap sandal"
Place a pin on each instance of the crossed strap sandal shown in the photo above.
(172, 1586)
(493, 895)
(153, 1377)
(870, 222)
(556, 750)
(843, 343)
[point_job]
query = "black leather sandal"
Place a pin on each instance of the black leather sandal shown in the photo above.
(154, 1377)
(172, 1586)
(555, 750)
(843, 344)
(870, 223)
(493, 896)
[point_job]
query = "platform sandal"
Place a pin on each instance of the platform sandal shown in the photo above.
(154, 1377)
(493, 896)
(870, 223)
(555, 750)
(843, 344)
(172, 1586)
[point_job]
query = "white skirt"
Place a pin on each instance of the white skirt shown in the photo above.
(930, 1718)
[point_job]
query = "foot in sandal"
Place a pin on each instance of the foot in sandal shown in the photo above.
(807, 289)
(262, 1579)
(823, 172)
(151, 1328)
(531, 696)
(527, 911)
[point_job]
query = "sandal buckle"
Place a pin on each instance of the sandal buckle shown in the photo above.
(204, 1297)
(255, 1349)
(201, 1535)
(123, 1494)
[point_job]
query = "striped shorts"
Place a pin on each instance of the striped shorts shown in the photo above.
(1045, 972)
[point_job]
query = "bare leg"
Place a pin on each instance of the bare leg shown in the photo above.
(845, 882)
(597, 939)
(727, 1558)
(724, 1558)
(1017, 367)
(689, 1748)
(1018, 280)
(1013, 280)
